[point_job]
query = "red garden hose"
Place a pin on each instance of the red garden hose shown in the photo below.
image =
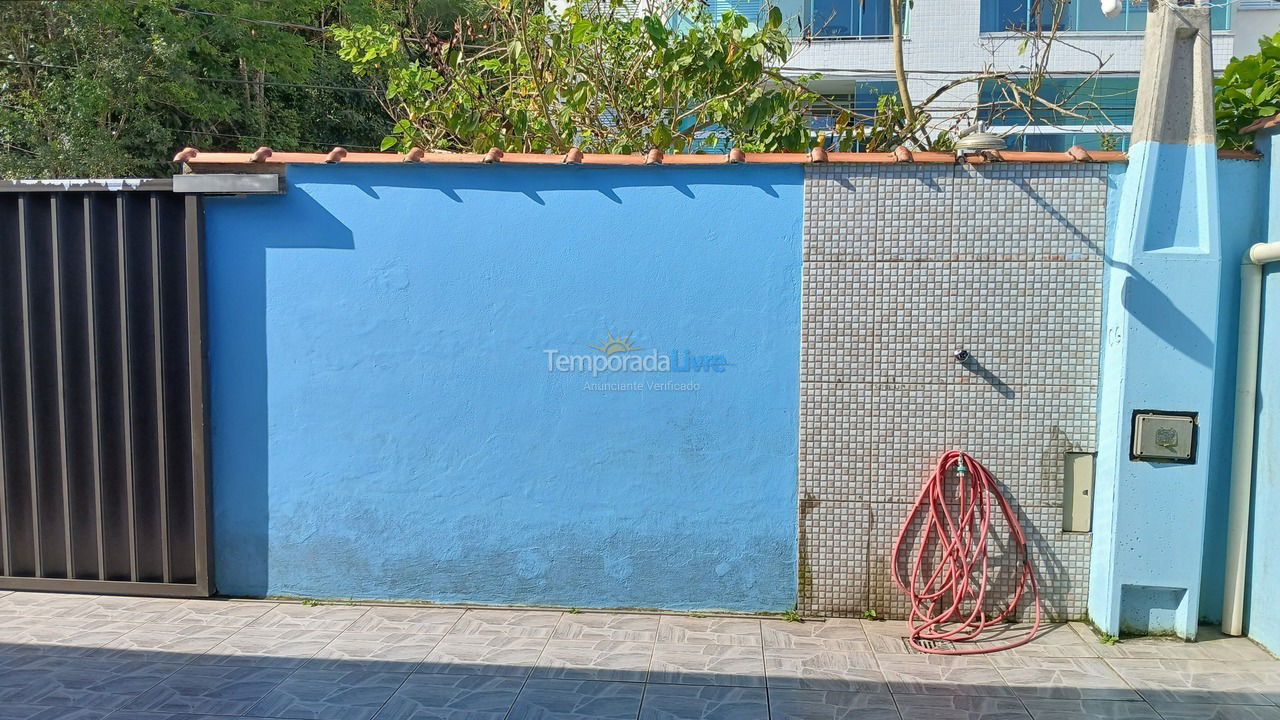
(950, 570)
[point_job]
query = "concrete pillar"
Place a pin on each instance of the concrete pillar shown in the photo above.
(1161, 299)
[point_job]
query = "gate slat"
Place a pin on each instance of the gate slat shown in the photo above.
(60, 369)
(24, 283)
(157, 335)
(122, 251)
(95, 440)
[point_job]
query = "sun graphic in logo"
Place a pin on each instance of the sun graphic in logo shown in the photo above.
(611, 345)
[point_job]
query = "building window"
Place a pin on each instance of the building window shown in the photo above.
(850, 18)
(862, 101)
(1074, 15)
(1101, 113)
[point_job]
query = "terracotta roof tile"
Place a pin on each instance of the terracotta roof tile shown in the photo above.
(265, 155)
(1261, 124)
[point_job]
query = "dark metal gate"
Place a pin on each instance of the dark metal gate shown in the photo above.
(103, 483)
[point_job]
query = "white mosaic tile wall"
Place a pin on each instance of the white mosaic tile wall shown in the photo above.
(904, 265)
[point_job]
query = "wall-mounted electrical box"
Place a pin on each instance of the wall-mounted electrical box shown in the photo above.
(1077, 488)
(1164, 436)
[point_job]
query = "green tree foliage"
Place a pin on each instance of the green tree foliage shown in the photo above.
(1247, 91)
(114, 87)
(593, 74)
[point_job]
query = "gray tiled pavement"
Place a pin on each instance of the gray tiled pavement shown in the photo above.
(79, 657)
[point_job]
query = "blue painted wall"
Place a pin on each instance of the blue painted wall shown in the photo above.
(1263, 617)
(1242, 200)
(384, 423)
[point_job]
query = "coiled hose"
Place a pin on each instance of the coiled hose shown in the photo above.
(950, 570)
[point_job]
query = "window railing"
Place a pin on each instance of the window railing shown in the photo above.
(1074, 15)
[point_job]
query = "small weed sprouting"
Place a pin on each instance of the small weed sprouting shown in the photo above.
(697, 614)
(1107, 639)
(573, 611)
(870, 614)
(792, 616)
(311, 602)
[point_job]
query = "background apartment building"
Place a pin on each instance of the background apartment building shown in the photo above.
(847, 41)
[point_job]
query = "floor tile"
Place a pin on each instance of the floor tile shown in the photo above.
(607, 626)
(79, 682)
(708, 631)
(886, 637)
(595, 660)
(426, 696)
(127, 714)
(1212, 645)
(1067, 678)
(166, 643)
(59, 635)
(380, 651)
(704, 702)
(424, 621)
(310, 617)
(222, 613)
(127, 609)
(145, 715)
(845, 635)
(506, 623)
(1056, 640)
(210, 690)
(329, 695)
(268, 647)
(816, 669)
(831, 705)
(513, 656)
(14, 711)
(39, 604)
(741, 665)
(1211, 682)
(1193, 711)
(1054, 709)
(542, 699)
(960, 707)
(942, 675)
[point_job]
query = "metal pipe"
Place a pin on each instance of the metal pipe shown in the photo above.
(1242, 450)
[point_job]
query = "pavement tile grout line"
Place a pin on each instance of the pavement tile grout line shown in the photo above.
(529, 675)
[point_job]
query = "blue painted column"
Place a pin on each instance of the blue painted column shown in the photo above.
(1161, 302)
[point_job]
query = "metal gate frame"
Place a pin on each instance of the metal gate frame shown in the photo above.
(196, 395)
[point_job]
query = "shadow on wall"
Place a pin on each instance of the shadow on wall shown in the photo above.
(241, 511)
(1141, 298)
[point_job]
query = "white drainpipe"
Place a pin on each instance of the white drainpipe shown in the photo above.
(1242, 446)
